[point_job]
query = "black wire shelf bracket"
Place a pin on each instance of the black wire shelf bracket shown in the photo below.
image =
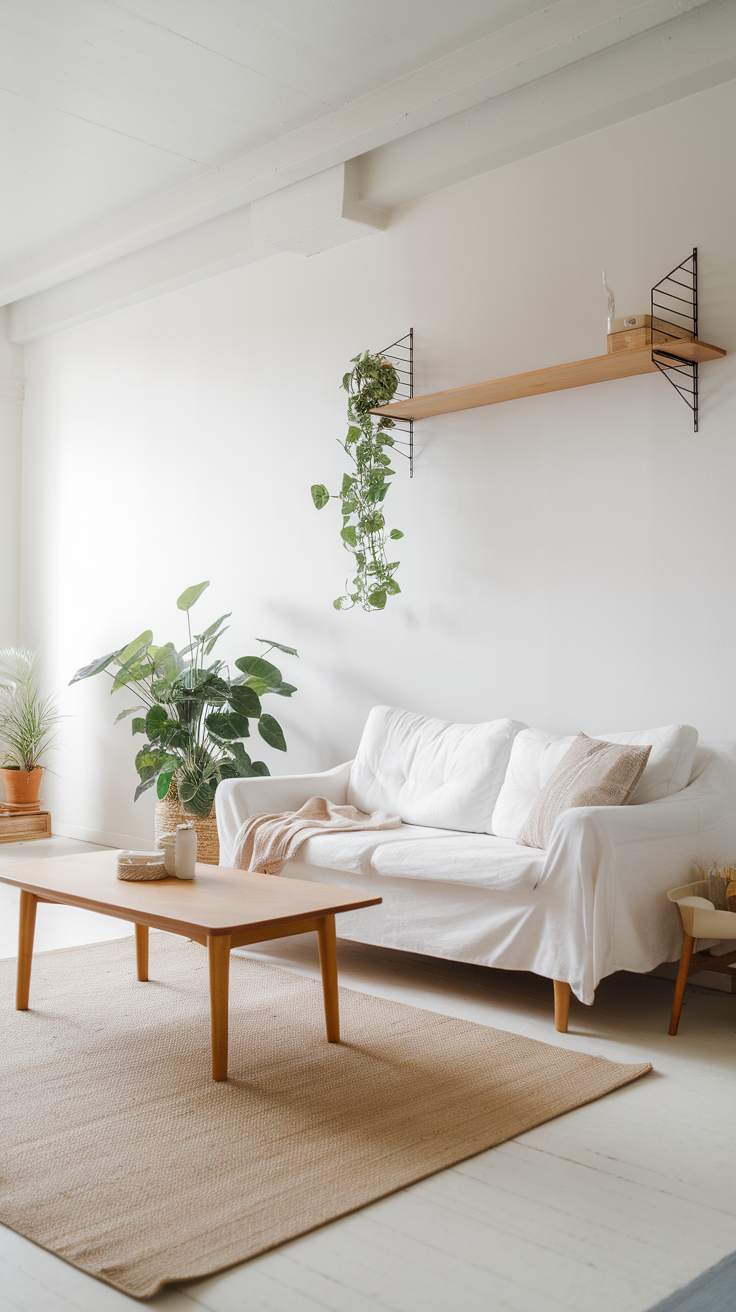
(401, 355)
(678, 309)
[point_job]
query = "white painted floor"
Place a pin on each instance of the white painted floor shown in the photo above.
(606, 1209)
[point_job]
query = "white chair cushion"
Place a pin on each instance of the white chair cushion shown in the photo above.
(429, 772)
(535, 754)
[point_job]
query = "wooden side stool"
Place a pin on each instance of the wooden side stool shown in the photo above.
(700, 920)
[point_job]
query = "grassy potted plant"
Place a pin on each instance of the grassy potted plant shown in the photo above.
(194, 717)
(27, 728)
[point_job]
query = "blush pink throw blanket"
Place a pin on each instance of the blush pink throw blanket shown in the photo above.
(266, 842)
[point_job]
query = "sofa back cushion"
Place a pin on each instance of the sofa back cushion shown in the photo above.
(429, 772)
(536, 754)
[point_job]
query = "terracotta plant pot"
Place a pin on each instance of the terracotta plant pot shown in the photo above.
(22, 788)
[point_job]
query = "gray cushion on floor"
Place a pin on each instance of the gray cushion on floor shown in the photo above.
(714, 1291)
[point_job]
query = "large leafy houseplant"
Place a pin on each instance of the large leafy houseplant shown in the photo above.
(195, 715)
(372, 382)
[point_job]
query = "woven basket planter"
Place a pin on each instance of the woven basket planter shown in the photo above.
(170, 813)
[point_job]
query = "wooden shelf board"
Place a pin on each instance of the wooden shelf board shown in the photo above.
(599, 369)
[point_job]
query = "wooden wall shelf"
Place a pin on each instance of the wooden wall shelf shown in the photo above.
(599, 369)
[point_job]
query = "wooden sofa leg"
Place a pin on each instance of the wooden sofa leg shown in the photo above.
(562, 1005)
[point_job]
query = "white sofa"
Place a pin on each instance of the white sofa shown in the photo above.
(455, 883)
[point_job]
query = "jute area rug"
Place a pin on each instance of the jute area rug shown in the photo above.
(123, 1157)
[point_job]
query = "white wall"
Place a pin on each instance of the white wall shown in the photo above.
(11, 432)
(569, 559)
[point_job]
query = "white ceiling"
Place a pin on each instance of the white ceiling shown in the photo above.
(137, 136)
(105, 103)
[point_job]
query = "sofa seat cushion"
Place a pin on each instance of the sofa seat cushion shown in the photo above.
(430, 772)
(354, 851)
(536, 754)
(434, 855)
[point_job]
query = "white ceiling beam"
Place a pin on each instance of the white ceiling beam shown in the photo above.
(306, 218)
(549, 40)
(628, 79)
(322, 211)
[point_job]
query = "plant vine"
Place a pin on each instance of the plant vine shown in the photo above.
(372, 382)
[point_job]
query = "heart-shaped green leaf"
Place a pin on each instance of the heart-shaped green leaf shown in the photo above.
(260, 669)
(190, 595)
(227, 726)
(244, 700)
(320, 495)
(163, 783)
(135, 647)
(271, 732)
(156, 722)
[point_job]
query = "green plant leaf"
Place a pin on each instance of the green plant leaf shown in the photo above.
(260, 669)
(260, 768)
(244, 701)
(156, 722)
(320, 495)
(348, 534)
(199, 802)
(135, 647)
(212, 641)
(396, 534)
(377, 598)
(214, 627)
(227, 726)
(190, 595)
(237, 765)
(354, 434)
(259, 686)
(290, 651)
(131, 672)
(284, 690)
(271, 732)
(138, 725)
(163, 783)
(96, 666)
(142, 788)
(392, 587)
(130, 711)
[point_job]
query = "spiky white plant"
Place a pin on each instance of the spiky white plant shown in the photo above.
(27, 720)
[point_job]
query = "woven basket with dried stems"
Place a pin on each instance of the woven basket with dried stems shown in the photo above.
(170, 813)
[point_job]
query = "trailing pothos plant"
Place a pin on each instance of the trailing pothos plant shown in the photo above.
(372, 382)
(195, 715)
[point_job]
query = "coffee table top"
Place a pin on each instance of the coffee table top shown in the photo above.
(218, 901)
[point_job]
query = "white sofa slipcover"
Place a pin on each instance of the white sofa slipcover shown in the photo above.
(593, 903)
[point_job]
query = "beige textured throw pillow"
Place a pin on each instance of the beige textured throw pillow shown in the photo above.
(591, 773)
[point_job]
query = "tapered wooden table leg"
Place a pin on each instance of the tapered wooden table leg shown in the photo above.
(328, 965)
(218, 946)
(26, 930)
(562, 1005)
(141, 951)
(687, 952)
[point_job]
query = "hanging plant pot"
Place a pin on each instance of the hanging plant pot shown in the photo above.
(22, 788)
(170, 813)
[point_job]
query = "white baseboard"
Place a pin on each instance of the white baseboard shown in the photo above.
(102, 836)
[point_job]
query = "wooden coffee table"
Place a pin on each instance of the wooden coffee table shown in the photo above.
(221, 909)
